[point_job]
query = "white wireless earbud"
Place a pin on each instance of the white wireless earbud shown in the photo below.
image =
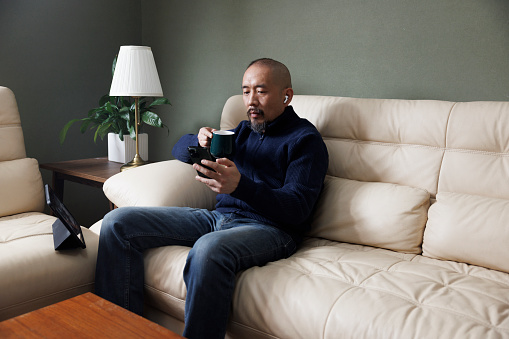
(286, 99)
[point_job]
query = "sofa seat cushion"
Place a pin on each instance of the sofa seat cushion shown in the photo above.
(33, 274)
(164, 284)
(330, 289)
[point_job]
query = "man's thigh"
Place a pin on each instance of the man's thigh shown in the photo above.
(247, 244)
(149, 227)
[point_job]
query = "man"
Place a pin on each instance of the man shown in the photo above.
(267, 192)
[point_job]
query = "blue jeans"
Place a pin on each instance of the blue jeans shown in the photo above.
(222, 245)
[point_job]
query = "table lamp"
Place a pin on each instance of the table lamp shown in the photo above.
(135, 76)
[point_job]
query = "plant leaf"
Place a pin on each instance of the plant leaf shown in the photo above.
(104, 99)
(102, 130)
(84, 125)
(125, 115)
(132, 132)
(92, 111)
(142, 102)
(109, 107)
(152, 119)
(64, 130)
(160, 101)
(126, 102)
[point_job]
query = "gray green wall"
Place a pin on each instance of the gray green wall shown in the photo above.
(455, 50)
(56, 56)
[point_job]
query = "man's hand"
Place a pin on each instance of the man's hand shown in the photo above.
(224, 180)
(205, 135)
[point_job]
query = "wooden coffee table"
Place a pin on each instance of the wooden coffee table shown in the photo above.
(84, 316)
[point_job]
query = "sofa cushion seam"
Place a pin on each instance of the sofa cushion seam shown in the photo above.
(182, 301)
(386, 144)
(25, 237)
(10, 125)
(254, 329)
(46, 296)
(404, 145)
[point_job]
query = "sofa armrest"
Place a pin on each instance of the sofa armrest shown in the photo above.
(165, 183)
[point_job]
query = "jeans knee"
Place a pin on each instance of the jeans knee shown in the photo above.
(210, 251)
(116, 221)
(208, 246)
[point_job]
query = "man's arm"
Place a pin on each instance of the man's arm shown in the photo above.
(203, 137)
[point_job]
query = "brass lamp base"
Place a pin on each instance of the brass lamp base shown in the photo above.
(137, 161)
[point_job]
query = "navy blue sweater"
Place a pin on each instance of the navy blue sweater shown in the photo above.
(282, 172)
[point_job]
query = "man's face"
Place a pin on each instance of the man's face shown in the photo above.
(263, 96)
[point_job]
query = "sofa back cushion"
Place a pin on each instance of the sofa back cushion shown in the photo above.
(20, 179)
(372, 140)
(152, 186)
(470, 229)
(476, 160)
(469, 221)
(376, 214)
(442, 147)
(22, 187)
(12, 145)
(389, 150)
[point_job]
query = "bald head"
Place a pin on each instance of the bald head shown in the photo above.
(267, 91)
(279, 71)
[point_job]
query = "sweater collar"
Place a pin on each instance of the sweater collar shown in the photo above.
(282, 121)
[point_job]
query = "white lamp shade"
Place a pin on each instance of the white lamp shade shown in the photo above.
(135, 73)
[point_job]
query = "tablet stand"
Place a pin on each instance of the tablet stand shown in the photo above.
(62, 237)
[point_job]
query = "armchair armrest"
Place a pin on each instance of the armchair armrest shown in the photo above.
(165, 183)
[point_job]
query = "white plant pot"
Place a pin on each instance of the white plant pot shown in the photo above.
(124, 151)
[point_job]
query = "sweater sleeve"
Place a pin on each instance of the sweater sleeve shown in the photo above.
(293, 203)
(180, 152)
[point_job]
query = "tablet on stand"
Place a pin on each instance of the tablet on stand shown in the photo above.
(67, 232)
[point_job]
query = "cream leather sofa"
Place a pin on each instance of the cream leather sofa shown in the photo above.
(32, 273)
(379, 262)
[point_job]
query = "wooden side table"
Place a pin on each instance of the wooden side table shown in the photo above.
(84, 316)
(92, 172)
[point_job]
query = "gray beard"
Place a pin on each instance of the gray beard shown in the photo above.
(258, 128)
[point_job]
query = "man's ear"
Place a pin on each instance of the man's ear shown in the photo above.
(288, 93)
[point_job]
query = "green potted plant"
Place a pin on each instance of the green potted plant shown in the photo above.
(116, 115)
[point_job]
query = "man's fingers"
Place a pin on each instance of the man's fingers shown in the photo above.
(225, 162)
(205, 170)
